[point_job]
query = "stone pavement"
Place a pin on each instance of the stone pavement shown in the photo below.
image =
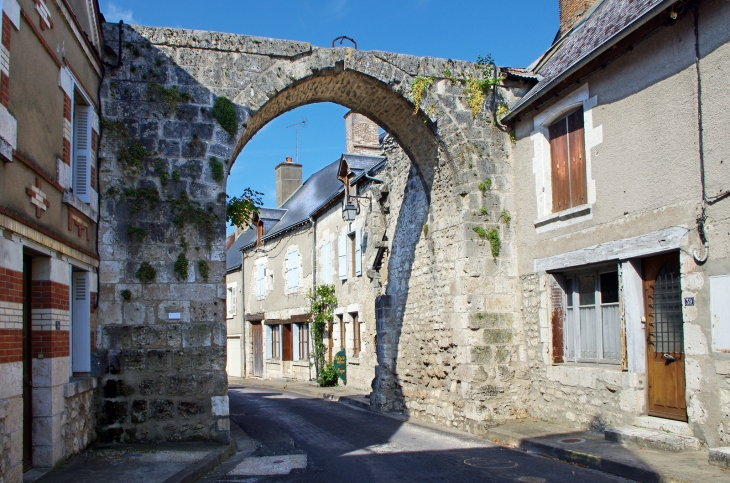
(151, 463)
(338, 393)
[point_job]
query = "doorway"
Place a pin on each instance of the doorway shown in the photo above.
(664, 337)
(258, 349)
(27, 363)
(287, 348)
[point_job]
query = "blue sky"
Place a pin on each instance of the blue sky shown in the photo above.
(513, 32)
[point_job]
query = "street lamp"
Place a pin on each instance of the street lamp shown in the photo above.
(352, 207)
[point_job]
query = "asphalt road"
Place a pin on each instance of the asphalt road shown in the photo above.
(332, 442)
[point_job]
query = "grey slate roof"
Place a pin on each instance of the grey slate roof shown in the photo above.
(316, 191)
(610, 18)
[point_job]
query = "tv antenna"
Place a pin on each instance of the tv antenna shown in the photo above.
(296, 129)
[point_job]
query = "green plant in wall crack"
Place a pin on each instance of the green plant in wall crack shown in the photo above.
(169, 97)
(204, 269)
(485, 186)
(146, 273)
(419, 86)
(216, 169)
(136, 233)
(188, 212)
(225, 113)
(133, 155)
(321, 304)
(141, 198)
(181, 267)
(492, 236)
(161, 171)
(506, 217)
(126, 295)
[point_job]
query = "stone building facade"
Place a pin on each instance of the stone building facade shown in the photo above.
(50, 73)
(624, 276)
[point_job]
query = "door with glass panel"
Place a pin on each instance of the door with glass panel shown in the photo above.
(592, 328)
(664, 337)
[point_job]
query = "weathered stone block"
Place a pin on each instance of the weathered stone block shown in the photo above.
(139, 411)
(186, 409)
(158, 360)
(162, 409)
(117, 388)
(497, 336)
(181, 385)
(113, 412)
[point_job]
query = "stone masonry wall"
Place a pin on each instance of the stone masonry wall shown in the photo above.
(78, 421)
(448, 348)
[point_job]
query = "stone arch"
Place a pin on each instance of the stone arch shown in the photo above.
(161, 358)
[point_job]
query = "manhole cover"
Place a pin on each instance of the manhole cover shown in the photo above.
(532, 479)
(571, 441)
(490, 463)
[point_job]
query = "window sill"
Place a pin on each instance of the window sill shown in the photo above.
(301, 363)
(564, 218)
(276, 362)
(72, 200)
(79, 385)
(593, 364)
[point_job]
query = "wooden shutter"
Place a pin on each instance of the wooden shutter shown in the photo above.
(557, 318)
(342, 256)
(576, 140)
(269, 342)
(559, 161)
(80, 324)
(358, 253)
(82, 153)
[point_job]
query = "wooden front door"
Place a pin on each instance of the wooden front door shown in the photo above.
(664, 337)
(258, 349)
(287, 352)
(330, 341)
(27, 366)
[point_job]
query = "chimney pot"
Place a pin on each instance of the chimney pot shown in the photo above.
(571, 11)
(288, 159)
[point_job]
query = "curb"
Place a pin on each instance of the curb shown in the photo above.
(596, 462)
(194, 471)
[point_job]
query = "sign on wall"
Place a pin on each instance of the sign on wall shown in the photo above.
(340, 363)
(720, 312)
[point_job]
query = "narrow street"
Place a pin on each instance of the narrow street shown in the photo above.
(302, 439)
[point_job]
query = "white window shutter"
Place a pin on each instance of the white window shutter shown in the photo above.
(342, 256)
(82, 153)
(261, 279)
(80, 325)
(269, 344)
(327, 263)
(295, 342)
(358, 253)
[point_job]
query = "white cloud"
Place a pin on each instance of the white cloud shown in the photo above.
(113, 13)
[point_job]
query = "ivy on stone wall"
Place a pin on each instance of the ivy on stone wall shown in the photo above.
(204, 269)
(225, 113)
(188, 212)
(169, 97)
(216, 169)
(142, 198)
(181, 267)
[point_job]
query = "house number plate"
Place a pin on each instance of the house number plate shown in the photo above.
(689, 301)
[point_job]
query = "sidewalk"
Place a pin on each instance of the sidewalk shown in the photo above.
(583, 448)
(338, 393)
(151, 463)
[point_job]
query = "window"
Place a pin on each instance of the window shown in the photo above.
(327, 263)
(355, 335)
(303, 341)
(592, 323)
(343, 331)
(82, 150)
(349, 253)
(260, 280)
(568, 162)
(275, 341)
(259, 233)
(292, 269)
(231, 298)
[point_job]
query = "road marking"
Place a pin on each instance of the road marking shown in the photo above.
(270, 465)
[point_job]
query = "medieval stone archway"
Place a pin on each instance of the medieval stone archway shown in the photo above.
(161, 336)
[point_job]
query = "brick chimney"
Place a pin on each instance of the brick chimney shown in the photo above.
(288, 180)
(571, 11)
(362, 135)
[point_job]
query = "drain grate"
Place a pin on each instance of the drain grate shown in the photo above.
(571, 441)
(490, 463)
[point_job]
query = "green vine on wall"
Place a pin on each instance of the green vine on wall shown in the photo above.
(136, 233)
(133, 155)
(142, 198)
(146, 273)
(216, 169)
(204, 269)
(169, 97)
(476, 89)
(419, 86)
(188, 212)
(321, 304)
(161, 171)
(225, 113)
(181, 267)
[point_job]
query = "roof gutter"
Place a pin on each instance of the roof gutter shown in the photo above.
(592, 56)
